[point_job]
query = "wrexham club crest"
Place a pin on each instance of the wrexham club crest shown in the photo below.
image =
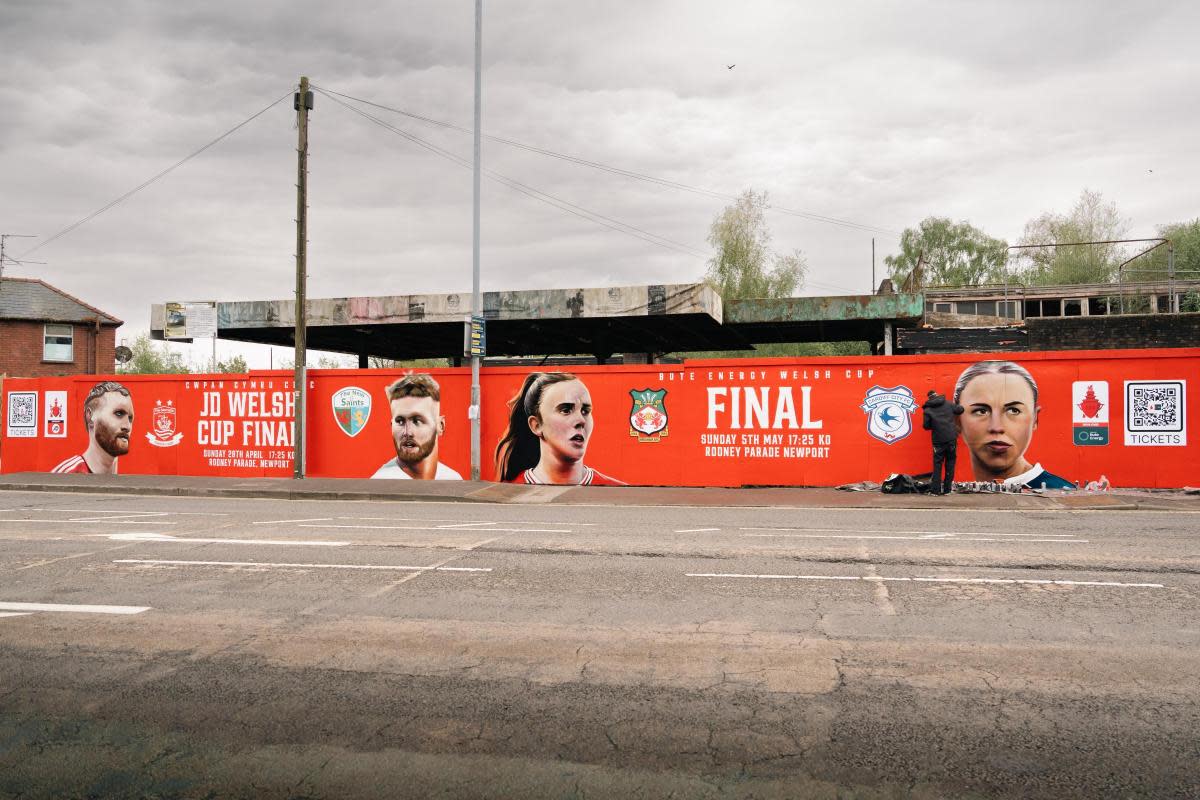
(351, 409)
(648, 417)
(163, 421)
(889, 412)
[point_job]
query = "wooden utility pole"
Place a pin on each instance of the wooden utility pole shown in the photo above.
(303, 102)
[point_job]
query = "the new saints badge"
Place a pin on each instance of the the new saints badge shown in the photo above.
(351, 409)
(648, 417)
(162, 425)
(888, 412)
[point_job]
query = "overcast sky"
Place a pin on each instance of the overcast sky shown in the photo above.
(878, 113)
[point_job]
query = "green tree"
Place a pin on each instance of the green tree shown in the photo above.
(153, 358)
(744, 265)
(1154, 266)
(951, 254)
(235, 365)
(1091, 220)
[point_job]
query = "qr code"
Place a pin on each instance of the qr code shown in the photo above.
(1155, 406)
(22, 410)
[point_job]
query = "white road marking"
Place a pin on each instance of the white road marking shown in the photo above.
(54, 561)
(699, 530)
(102, 521)
(71, 608)
(436, 528)
(15, 613)
(932, 537)
(162, 537)
(138, 515)
(120, 511)
(902, 533)
(282, 521)
(398, 568)
(510, 521)
(468, 525)
(869, 578)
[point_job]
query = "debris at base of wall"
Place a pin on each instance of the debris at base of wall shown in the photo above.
(1101, 485)
(861, 486)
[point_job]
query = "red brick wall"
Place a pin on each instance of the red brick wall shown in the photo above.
(21, 350)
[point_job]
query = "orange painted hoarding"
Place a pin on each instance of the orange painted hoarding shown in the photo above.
(800, 422)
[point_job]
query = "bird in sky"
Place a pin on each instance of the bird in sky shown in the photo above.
(730, 66)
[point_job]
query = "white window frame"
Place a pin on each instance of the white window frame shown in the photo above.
(60, 332)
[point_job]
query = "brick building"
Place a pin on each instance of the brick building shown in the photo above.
(44, 331)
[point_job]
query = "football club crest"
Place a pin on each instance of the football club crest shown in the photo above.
(889, 412)
(1089, 412)
(648, 417)
(162, 425)
(351, 409)
(56, 415)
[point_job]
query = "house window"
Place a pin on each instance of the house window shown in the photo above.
(941, 308)
(59, 344)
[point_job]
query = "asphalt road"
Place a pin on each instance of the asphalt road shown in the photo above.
(176, 647)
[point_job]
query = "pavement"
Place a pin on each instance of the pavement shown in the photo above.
(503, 493)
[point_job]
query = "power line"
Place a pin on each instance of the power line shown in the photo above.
(160, 175)
(809, 215)
(529, 191)
(536, 194)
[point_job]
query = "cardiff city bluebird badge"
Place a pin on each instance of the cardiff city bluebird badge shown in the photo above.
(889, 412)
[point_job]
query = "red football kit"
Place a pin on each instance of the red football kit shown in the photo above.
(73, 464)
(591, 477)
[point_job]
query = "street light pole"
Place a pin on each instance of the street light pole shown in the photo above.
(476, 296)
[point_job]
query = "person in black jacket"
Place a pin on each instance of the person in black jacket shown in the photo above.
(939, 420)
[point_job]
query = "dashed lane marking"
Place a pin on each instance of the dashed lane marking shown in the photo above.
(431, 519)
(162, 537)
(72, 608)
(890, 532)
(870, 578)
(286, 521)
(265, 564)
(929, 537)
(698, 530)
(451, 528)
(102, 521)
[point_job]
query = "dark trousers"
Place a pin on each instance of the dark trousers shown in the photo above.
(943, 454)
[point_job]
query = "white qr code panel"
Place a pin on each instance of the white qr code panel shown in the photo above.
(22, 415)
(1156, 413)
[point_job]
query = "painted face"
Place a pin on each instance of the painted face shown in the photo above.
(112, 422)
(997, 424)
(416, 426)
(566, 421)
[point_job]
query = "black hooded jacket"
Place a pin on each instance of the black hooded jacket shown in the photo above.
(939, 418)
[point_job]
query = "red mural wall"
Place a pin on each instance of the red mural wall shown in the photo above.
(800, 422)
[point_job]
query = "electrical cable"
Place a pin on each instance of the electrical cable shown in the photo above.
(160, 175)
(537, 194)
(552, 200)
(809, 215)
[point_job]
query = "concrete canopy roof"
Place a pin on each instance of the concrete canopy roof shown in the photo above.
(851, 318)
(600, 322)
